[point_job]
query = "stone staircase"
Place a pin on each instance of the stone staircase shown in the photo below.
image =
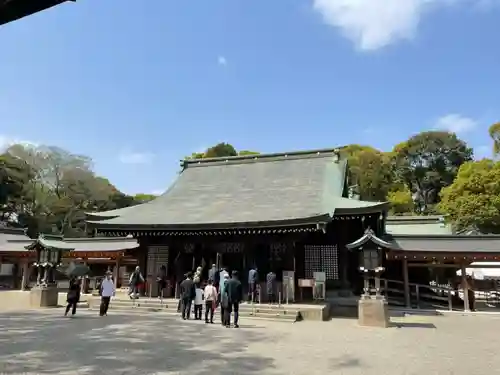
(283, 313)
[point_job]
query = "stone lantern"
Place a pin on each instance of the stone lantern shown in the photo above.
(372, 305)
(49, 251)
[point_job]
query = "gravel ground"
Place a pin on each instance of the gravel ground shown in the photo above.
(44, 342)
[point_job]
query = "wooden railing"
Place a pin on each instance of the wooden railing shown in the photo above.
(419, 294)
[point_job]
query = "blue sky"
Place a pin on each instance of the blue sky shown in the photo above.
(137, 85)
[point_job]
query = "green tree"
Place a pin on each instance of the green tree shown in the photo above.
(143, 198)
(427, 162)
(401, 202)
(220, 150)
(247, 152)
(370, 170)
(473, 200)
(62, 188)
(14, 177)
(494, 131)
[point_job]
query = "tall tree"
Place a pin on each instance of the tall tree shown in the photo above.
(15, 175)
(62, 188)
(427, 162)
(473, 200)
(369, 170)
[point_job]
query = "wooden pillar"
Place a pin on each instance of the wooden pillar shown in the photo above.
(84, 280)
(25, 275)
(116, 272)
(465, 287)
(406, 284)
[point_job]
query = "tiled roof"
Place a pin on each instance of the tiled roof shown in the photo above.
(418, 225)
(94, 244)
(247, 191)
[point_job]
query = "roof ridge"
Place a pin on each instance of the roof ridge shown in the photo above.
(277, 156)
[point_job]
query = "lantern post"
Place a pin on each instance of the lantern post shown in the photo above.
(49, 251)
(373, 309)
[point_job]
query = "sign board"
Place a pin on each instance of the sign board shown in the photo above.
(289, 286)
(306, 283)
(319, 277)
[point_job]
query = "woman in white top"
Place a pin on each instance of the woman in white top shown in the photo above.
(198, 302)
(210, 301)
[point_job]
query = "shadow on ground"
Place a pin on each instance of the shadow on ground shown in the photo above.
(47, 343)
(413, 325)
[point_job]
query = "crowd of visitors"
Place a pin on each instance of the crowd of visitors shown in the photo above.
(220, 291)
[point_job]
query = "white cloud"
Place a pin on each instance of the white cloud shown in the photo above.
(158, 191)
(456, 123)
(136, 157)
(221, 60)
(373, 24)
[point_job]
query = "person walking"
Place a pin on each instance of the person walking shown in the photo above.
(210, 294)
(73, 296)
(234, 292)
(253, 280)
(223, 300)
(136, 279)
(188, 293)
(107, 291)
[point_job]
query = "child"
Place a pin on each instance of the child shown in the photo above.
(198, 302)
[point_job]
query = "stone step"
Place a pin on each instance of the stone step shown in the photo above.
(173, 312)
(268, 313)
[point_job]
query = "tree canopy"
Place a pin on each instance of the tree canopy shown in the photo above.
(49, 189)
(472, 201)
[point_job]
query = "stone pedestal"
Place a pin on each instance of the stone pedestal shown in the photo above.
(373, 312)
(44, 296)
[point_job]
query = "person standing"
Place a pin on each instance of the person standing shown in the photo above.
(271, 287)
(234, 293)
(223, 299)
(198, 302)
(212, 274)
(253, 280)
(188, 293)
(210, 294)
(161, 280)
(107, 291)
(136, 279)
(73, 296)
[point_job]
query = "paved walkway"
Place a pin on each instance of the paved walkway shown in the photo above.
(44, 342)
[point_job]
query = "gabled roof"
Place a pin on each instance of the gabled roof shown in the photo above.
(247, 191)
(446, 243)
(92, 244)
(419, 225)
(11, 10)
(433, 246)
(50, 242)
(11, 234)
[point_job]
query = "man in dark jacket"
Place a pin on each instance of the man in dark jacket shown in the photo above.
(271, 287)
(234, 294)
(213, 275)
(253, 280)
(188, 292)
